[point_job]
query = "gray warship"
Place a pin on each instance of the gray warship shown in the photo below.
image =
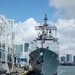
(44, 51)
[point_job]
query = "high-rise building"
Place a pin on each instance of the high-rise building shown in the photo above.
(26, 45)
(18, 49)
(63, 59)
(74, 59)
(69, 58)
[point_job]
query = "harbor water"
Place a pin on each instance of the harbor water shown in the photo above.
(66, 70)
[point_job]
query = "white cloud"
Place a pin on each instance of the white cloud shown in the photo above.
(65, 8)
(66, 31)
(24, 32)
(63, 4)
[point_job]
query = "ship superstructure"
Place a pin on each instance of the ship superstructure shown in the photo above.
(46, 38)
(44, 50)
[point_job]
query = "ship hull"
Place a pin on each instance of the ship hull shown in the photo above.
(44, 61)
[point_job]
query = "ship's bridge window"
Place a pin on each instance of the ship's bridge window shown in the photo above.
(47, 47)
(50, 36)
(50, 31)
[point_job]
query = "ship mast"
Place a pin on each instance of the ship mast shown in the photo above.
(45, 19)
(45, 24)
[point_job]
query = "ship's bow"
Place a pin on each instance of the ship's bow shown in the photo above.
(44, 61)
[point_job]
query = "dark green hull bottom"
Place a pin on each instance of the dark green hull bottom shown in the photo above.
(44, 61)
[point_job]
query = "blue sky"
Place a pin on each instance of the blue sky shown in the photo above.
(20, 10)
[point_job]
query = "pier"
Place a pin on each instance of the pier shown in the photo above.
(9, 59)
